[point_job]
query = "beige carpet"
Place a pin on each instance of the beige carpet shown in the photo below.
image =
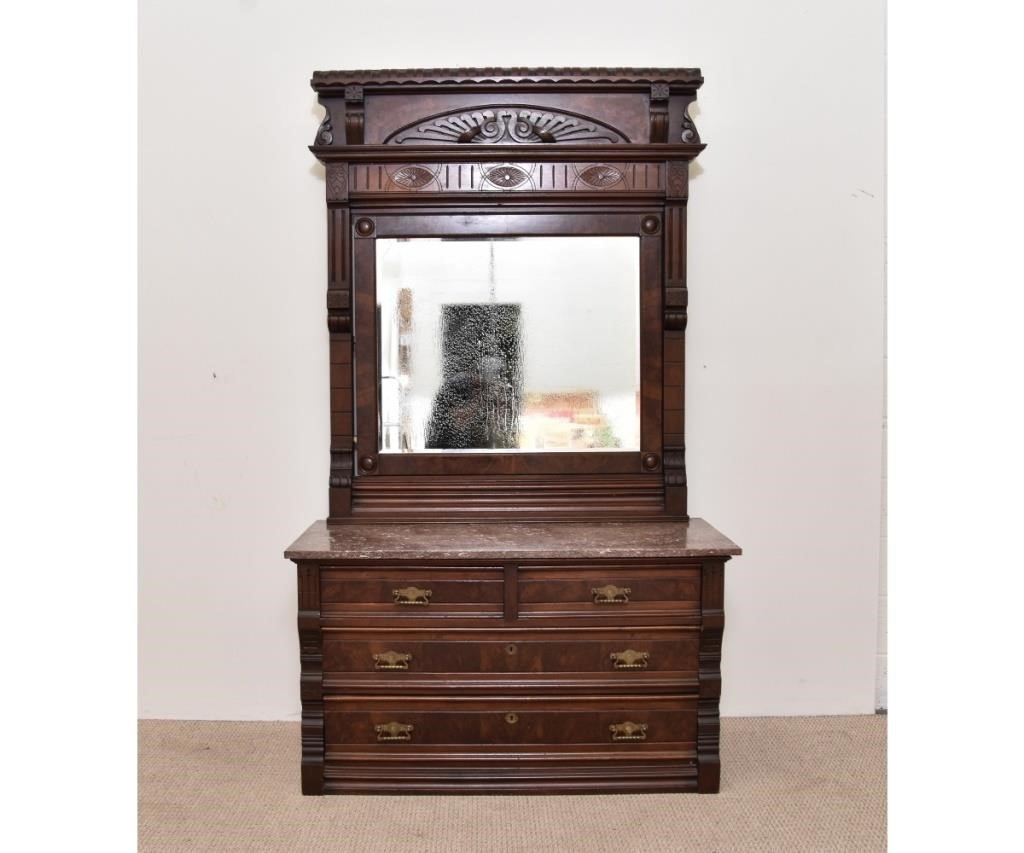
(788, 784)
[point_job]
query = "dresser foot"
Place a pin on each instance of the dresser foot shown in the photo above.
(709, 773)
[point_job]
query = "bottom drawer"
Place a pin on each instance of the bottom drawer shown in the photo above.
(580, 724)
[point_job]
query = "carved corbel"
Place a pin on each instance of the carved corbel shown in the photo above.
(354, 115)
(659, 112)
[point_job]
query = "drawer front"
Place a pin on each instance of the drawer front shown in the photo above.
(401, 655)
(410, 592)
(609, 591)
(622, 723)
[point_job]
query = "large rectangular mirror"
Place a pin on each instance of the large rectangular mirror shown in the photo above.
(526, 344)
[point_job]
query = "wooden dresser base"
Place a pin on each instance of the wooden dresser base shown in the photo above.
(481, 658)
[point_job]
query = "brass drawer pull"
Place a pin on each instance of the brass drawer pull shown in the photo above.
(630, 659)
(393, 731)
(628, 731)
(391, 660)
(412, 595)
(611, 594)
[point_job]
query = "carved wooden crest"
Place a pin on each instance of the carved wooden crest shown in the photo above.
(506, 125)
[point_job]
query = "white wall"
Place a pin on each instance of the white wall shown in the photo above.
(784, 344)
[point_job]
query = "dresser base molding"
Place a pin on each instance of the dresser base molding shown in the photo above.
(479, 662)
(670, 775)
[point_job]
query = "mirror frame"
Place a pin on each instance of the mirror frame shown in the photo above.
(499, 223)
(577, 152)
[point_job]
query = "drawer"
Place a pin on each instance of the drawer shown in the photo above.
(412, 592)
(609, 591)
(353, 724)
(406, 657)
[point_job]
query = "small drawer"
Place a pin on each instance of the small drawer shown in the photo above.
(609, 591)
(408, 592)
(628, 723)
(401, 657)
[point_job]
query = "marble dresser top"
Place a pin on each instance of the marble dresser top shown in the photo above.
(511, 541)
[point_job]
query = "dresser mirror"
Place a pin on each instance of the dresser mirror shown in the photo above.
(507, 293)
(511, 344)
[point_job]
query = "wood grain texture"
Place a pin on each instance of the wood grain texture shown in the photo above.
(712, 625)
(483, 680)
(311, 678)
(508, 622)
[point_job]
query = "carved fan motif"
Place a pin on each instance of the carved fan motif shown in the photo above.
(412, 177)
(491, 125)
(507, 176)
(601, 176)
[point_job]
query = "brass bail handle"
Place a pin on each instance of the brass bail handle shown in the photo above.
(391, 660)
(630, 659)
(611, 594)
(393, 731)
(628, 730)
(412, 595)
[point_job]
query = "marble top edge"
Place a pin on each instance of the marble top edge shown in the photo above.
(511, 540)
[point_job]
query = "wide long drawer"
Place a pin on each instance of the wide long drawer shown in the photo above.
(640, 723)
(384, 660)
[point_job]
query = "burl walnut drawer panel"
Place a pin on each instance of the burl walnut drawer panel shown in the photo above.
(380, 660)
(412, 592)
(615, 591)
(612, 723)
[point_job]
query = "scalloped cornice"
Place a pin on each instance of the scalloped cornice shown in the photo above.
(689, 77)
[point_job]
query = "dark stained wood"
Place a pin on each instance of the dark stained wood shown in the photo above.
(510, 722)
(311, 678)
(712, 625)
(378, 189)
(529, 654)
(565, 635)
(548, 592)
(371, 592)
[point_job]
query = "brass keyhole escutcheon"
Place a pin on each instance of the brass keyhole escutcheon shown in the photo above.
(511, 718)
(510, 648)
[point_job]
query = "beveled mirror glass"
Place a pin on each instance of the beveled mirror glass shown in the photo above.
(525, 344)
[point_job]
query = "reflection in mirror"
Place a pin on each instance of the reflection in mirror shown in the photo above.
(509, 344)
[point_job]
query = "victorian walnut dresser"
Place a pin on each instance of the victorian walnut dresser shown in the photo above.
(508, 595)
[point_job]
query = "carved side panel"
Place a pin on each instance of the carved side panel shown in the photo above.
(311, 658)
(416, 178)
(710, 675)
(325, 133)
(689, 129)
(339, 326)
(674, 342)
(506, 125)
(337, 183)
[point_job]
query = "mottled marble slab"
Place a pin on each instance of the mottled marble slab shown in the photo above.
(511, 541)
